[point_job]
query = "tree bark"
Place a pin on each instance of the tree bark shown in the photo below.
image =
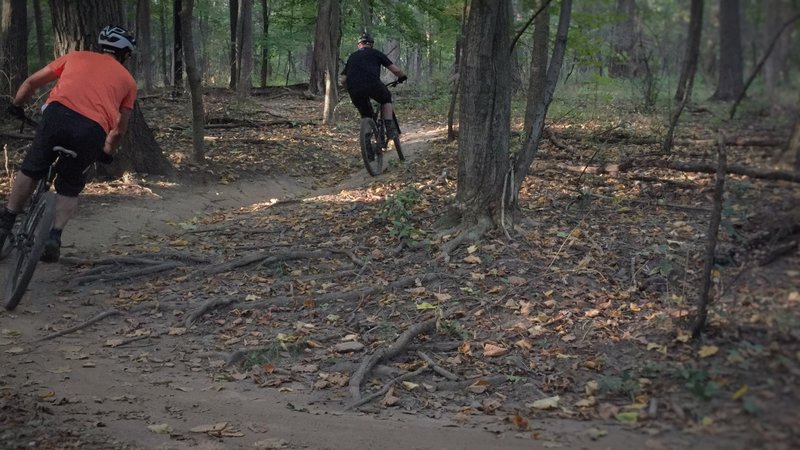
(538, 71)
(794, 145)
(485, 112)
(692, 51)
(366, 16)
(14, 51)
(244, 45)
(162, 15)
(143, 47)
(624, 40)
(195, 88)
(731, 68)
(177, 50)
(451, 133)
(233, 14)
(76, 25)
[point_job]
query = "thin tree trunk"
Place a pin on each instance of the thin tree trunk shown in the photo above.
(531, 145)
(794, 145)
(366, 16)
(14, 52)
(692, 51)
(624, 60)
(538, 72)
(143, 47)
(195, 88)
(451, 112)
(162, 15)
(264, 40)
(233, 14)
(177, 53)
(331, 60)
(731, 66)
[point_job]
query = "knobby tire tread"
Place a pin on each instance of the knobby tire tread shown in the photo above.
(23, 259)
(368, 139)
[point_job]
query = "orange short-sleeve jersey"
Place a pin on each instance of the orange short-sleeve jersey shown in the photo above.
(94, 85)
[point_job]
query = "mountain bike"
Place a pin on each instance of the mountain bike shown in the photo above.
(25, 245)
(373, 140)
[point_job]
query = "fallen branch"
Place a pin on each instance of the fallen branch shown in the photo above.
(386, 387)
(163, 267)
(267, 257)
(683, 166)
(81, 326)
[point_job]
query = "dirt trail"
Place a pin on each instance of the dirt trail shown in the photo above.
(96, 396)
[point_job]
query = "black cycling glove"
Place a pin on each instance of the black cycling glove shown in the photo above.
(402, 79)
(16, 111)
(105, 158)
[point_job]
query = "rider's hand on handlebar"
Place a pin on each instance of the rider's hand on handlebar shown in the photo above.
(105, 158)
(402, 79)
(16, 111)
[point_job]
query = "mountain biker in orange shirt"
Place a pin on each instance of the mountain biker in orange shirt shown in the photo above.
(362, 78)
(88, 112)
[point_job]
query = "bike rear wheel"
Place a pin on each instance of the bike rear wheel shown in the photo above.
(371, 150)
(28, 248)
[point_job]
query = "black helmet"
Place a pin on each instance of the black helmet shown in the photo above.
(117, 40)
(366, 38)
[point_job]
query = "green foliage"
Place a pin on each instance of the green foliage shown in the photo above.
(619, 385)
(699, 382)
(454, 329)
(397, 210)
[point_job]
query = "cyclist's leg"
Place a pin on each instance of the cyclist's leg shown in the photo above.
(382, 95)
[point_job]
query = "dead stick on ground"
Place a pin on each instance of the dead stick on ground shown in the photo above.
(79, 281)
(386, 387)
(437, 368)
(89, 322)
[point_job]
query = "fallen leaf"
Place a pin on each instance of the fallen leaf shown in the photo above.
(592, 313)
(707, 350)
(519, 422)
(479, 387)
(442, 297)
(545, 403)
(176, 331)
(493, 350)
(390, 399)
(15, 350)
(114, 342)
(740, 392)
(627, 417)
(517, 281)
(344, 347)
(586, 402)
(409, 385)
(472, 259)
(208, 428)
(596, 433)
(425, 306)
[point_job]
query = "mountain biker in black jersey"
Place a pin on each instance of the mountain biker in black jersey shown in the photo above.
(87, 111)
(362, 78)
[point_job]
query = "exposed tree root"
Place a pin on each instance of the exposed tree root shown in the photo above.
(386, 387)
(466, 234)
(210, 305)
(269, 257)
(387, 353)
(682, 166)
(437, 368)
(81, 326)
(162, 267)
(493, 380)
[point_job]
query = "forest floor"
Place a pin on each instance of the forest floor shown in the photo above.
(237, 303)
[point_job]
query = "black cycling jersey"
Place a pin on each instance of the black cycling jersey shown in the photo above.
(363, 67)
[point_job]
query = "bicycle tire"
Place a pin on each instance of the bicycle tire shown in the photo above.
(368, 139)
(398, 148)
(25, 255)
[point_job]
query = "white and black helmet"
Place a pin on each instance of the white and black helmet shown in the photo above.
(114, 39)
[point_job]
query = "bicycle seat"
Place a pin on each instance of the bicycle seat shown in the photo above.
(65, 151)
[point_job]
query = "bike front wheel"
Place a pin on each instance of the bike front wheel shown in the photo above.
(371, 150)
(398, 148)
(28, 248)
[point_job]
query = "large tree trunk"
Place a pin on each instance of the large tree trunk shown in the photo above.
(14, 48)
(485, 113)
(623, 63)
(264, 40)
(731, 67)
(244, 46)
(193, 76)
(692, 51)
(177, 50)
(76, 25)
(538, 72)
(38, 21)
(325, 56)
(143, 47)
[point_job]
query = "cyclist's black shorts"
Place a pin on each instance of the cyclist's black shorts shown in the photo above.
(63, 126)
(360, 96)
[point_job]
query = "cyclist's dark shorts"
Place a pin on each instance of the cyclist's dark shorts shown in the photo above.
(63, 126)
(360, 97)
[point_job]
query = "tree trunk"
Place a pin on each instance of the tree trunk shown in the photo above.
(162, 15)
(233, 14)
(76, 25)
(776, 11)
(37, 20)
(193, 76)
(794, 145)
(143, 47)
(624, 39)
(321, 53)
(530, 148)
(14, 51)
(538, 72)
(485, 113)
(264, 40)
(366, 16)
(177, 50)
(244, 45)
(692, 52)
(451, 134)
(731, 67)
